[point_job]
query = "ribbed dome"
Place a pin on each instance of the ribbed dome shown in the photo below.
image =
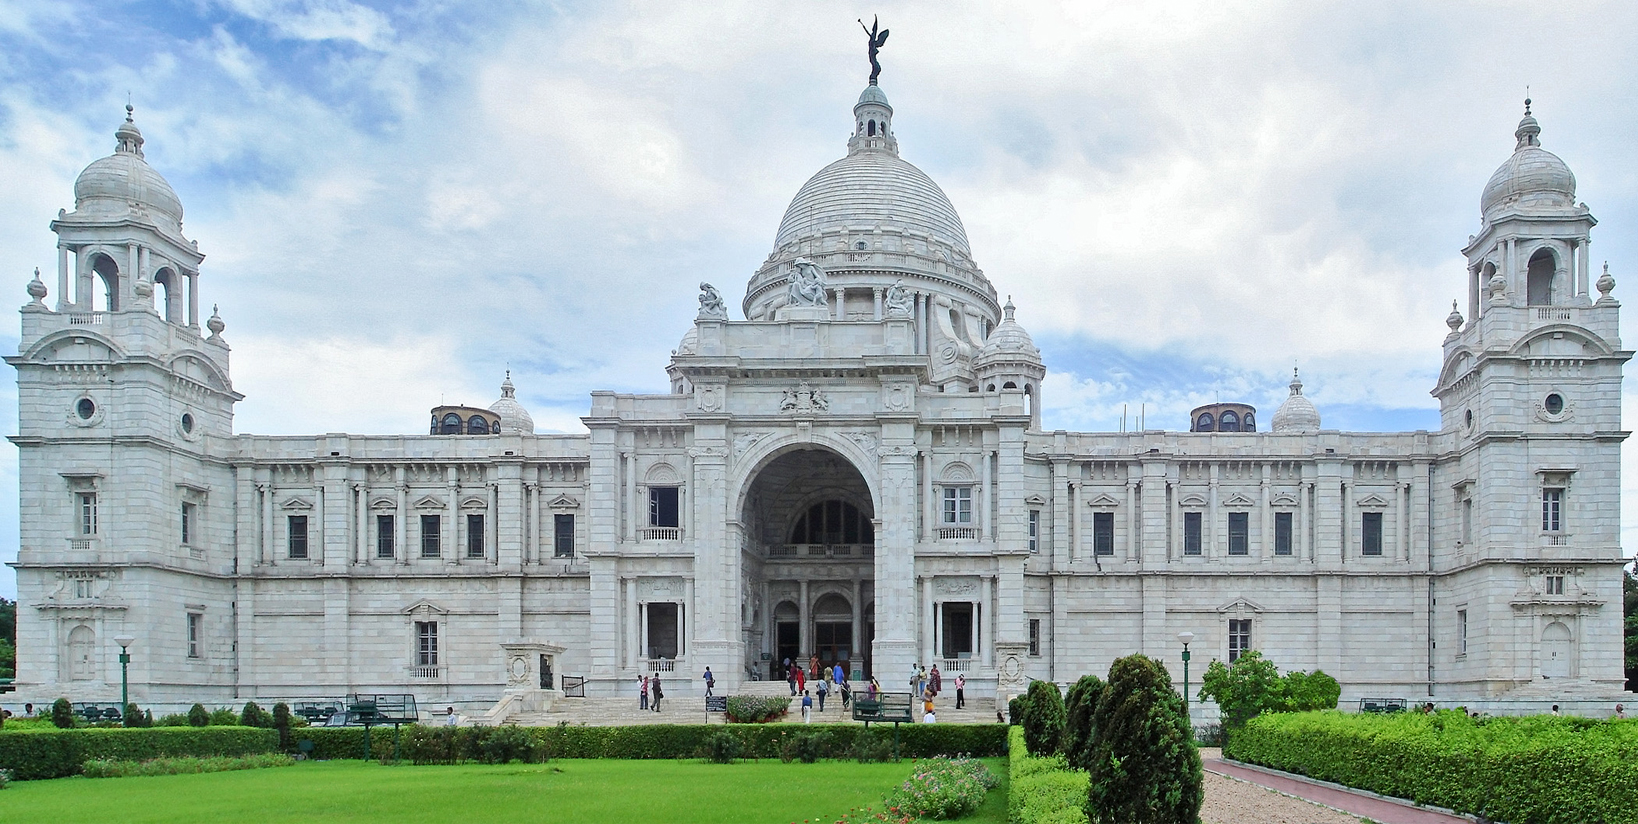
(1007, 341)
(113, 185)
(1297, 414)
(1532, 177)
(867, 188)
(874, 94)
(514, 419)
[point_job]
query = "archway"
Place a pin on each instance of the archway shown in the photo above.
(82, 643)
(1540, 278)
(1556, 651)
(809, 554)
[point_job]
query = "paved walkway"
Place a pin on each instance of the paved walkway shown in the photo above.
(1367, 806)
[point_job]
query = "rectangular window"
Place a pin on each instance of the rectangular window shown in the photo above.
(385, 532)
(474, 536)
(194, 640)
(1035, 530)
(296, 540)
(958, 504)
(1370, 533)
(563, 536)
(1103, 533)
(1239, 637)
(1035, 636)
(662, 506)
(1555, 585)
(187, 524)
(1282, 533)
(426, 643)
(1467, 520)
(432, 528)
(1552, 508)
(1239, 529)
(88, 513)
(1191, 533)
(1461, 632)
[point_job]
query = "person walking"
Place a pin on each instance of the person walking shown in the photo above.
(813, 667)
(961, 687)
(654, 687)
(807, 707)
(837, 674)
(847, 694)
(915, 679)
(790, 676)
(822, 687)
(642, 692)
(710, 682)
(936, 680)
(801, 681)
(927, 716)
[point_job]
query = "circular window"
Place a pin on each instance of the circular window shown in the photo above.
(1469, 419)
(85, 408)
(1555, 404)
(187, 422)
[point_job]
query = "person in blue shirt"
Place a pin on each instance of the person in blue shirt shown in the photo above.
(710, 682)
(822, 687)
(807, 707)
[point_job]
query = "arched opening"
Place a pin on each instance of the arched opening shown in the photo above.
(809, 548)
(1009, 385)
(82, 644)
(105, 299)
(451, 425)
(1228, 422)
(1556, 650)
(1029, 400)
(477, 426)
(1542, 265)
(1248, 423)
(871, 129)
(168, 292)
(1204, 423)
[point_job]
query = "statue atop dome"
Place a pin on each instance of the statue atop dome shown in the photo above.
(876, 41)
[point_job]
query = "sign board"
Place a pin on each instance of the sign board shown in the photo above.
(716, 703)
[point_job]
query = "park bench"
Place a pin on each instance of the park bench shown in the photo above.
(94, 712)
(887, 707)
(1381, 705)
(317, 713)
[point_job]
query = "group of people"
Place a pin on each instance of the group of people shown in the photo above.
(928, 684)
(649, 692)
(827, 681)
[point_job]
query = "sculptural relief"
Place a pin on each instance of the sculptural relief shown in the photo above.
(807, 285)
(804, 398)
(899, 303)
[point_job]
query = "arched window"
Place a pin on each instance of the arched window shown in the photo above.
(871, 129)
(990, 388)
(169, 294)
(833, 522)
(477, 426)
(1029, 399)
(107, 270)
(1204, 422)
(1228, 422)
(1248, 423)
(1542, 264)
(1009, 385)
(451, 425)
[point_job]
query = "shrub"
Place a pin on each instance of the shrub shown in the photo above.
(803, 747)
(1042, 790)
(757, 709)
(941, 788)
(722, 748)
(58, 753)
(224, 717)
(1015, 709)
(254, 716)
(173, 720)
(504, 745)
(1043, 718)
(62, 714)
(1079, 708)
(872, 748)
(116, 768)
(5, 778)
(136, 718)
(430, 745)
(1143, 768)
(198, 716)
(1252, 686)
(281, 722)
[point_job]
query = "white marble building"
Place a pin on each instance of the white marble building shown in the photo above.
(857, 471)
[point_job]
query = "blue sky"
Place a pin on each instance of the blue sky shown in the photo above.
(400, 201)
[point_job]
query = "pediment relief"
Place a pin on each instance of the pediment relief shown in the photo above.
(430, 502)
(1372, 501)
(563, 502)
(957, 472)
(1035, 500)
(1193, 500)
(424, 607)
(474, 502)
(1285, 499)
(1240, 606)
(1239, 501)
(1103, 500)
(384, 503)
(297, 504)
(662, 474)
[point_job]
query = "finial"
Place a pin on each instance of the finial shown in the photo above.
(1605, 284)
(1296, 382)
(507, 390)
(215, 324)
(1526, 101)
(37, 288)
(128, 109)
(1008, 309)
(1454, 319)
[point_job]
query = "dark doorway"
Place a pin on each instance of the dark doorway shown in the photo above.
(958, 629)
(663, 640)
(834, 640)
(788, 644)
(545, 672)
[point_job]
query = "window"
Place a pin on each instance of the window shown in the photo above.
(1555, 585)
(1228, 422)
(1204, 422)
(958, 504)
(1239, 637)
(194, 640)
(1461, 632)
(1552, 508)
(296, 539)
(88, 513)
(1035, 530)
(662, 506)
(1248, 423)
(83, 588)
(385, 531)
(1239, 533)
(1103, 533)
(85, 408)
(474, 536)
(833, 522)
(1554, 403)
(451, 425)
(1540, 278)
(563, 536)
(1282, 533)
(1191, 533)
(426, 643)
(432, 528)
(187, 524)
(477, 426)
(1467, 520)
(1035, 637)
(1370, 533)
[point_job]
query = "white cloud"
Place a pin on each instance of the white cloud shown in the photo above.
(319, 20)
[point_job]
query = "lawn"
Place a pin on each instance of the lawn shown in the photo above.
(568, 791)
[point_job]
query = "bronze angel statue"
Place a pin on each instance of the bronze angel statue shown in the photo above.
(876, 42)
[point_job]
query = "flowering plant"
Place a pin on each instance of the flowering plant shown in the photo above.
(941, 788)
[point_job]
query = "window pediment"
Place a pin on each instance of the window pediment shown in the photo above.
(1193, 500)
(424, 608)
(474, 502)
(1372, 501)
(1103, 500)
(1035, 500)
(383, 504)
(297, 504)
(429, 502)
(1239, 500)
(1285, 499)
(1240, 606)
(563, 502)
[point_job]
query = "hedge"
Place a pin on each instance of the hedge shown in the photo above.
(1043, 790)
(53, 753)
(1530, 770)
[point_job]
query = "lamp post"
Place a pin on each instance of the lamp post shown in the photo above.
(125, 642)
(1185, 636)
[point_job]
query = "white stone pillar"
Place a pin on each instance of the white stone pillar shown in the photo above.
(929, 530)
(986, 625)
(876, 301)
(400, 527)
(62, 278)
(491, 533)
(858, 615)
(1211, 517)
(632, 640)
(685, 624)
(127, 282)
(266, 553)
(972, 630)
(448, 541)
(361, 531)
(1305, 547)
(1174, 548)
(928, 621)
(1265, 542)
(630, 461)
(1584, 273)
(983, 501)
(804, 633)
(193, 299)
(1131, 516)
(841, 299)
(1074, 512)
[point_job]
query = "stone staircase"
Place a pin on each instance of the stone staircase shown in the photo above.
(690, 709)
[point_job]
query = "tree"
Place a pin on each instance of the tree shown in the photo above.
(1079, 708)
(62, 714)
(254, 716)
(198, 716)
(1043, 718)
(1252, 685)
(1143, 765)
(1630, 611)
(1303, 691)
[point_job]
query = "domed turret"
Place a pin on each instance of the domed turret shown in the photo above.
(1532, 178)
(1009, 341)
(514, 419)
(1009, 362)
(1297, 414)
(124, 185)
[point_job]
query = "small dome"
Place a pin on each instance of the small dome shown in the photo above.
(123, 181)
(1532, 177)
(1297, 414)
(514, 419)
(690, 344)
(1007, 341)
(873, 94)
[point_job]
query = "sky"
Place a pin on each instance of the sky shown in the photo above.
(399, 202)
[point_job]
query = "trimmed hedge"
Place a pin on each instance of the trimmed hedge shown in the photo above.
(1043, 790)
(32, 754)
(1531, 770)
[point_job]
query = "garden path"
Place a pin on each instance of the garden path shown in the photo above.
(1371, 807)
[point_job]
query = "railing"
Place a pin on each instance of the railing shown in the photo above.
(821, 550)
(87, 318)
(79, 544)
(958, 533)
(1552, 313)
(423, 672)
(956, 665)
(574, 686)
(659, 665)
(1558, 540)
(781, 550)
(660, 533)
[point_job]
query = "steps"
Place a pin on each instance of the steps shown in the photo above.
(612, 712)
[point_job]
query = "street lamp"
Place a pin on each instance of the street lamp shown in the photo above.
(1185, 636)
(124, 641)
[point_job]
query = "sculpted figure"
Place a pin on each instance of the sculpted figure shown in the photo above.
(899, 304)
(711, 305)
(877, 38)
(807, 285)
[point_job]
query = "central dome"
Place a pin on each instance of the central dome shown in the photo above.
(865, 189)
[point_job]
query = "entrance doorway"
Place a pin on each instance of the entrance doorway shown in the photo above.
(787, 639)
(1555, 651)
(958, 630)
(663, 640)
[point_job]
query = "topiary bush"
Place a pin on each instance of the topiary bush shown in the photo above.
(757, 709)
(1015, 709)
(254, 716)
(1043, 720)
(198, 716)
(722, 748)
(224, 717)
(1079, 708)
(136, 718)
(281, 722)
(62, 714)
(1143, 767)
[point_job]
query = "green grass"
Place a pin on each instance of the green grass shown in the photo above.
(568, 791)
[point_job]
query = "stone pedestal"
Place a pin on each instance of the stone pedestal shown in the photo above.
(1011, 676)
(804, 313)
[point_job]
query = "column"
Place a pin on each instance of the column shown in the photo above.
(531, 523)
(983, 502)
(1074, 512)
(1582, 266)
(929, 529)
(1131, 517)
(126, 292)
(985, 645)
(400, 527)
(972, 629)
(630, 462)
(266, 553)
(1060, 514)
(858, 616)
(62, 278)
(491, 535)
(1348, 517)
(630, 586)
(1265, 543)
(452, 510)
(841, 299)
(1211, 518)
(193, 299)
(804, 633)
(876, 301)
(361, 531)
(685, 623)
(927, 626)
(1305, 548)
(144, 271)
(1174, 547)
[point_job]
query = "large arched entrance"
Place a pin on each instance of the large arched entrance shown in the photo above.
(809, 562)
